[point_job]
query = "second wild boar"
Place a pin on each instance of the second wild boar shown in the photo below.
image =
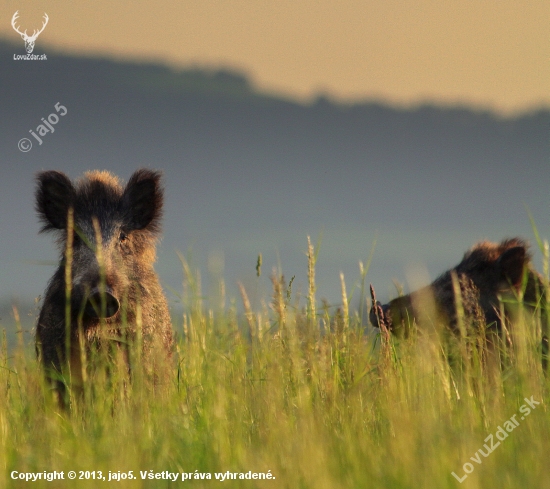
(489, 276)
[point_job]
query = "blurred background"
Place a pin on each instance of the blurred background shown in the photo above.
(413, 129)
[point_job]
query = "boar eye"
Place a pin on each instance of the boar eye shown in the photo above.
(76, 239)
(123, 237)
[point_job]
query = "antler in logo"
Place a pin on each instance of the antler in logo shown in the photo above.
(29, 40)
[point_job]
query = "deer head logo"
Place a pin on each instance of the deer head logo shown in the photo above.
(29, 40)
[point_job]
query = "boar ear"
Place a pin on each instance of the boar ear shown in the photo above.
(54, 196)
(142, 201)
(512, 264)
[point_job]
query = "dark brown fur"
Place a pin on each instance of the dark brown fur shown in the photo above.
(487, 272)
(129, 222)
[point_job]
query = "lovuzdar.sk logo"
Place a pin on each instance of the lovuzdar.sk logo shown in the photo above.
(29, 40)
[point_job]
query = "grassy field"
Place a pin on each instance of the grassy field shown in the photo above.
(294, 395)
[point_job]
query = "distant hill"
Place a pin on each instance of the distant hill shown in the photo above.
(247, 172)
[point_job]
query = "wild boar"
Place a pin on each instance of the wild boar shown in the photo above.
(488, 273)
(105, 291)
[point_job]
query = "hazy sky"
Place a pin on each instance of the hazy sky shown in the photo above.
(484, 52)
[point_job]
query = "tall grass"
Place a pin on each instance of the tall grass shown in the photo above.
(292, 390)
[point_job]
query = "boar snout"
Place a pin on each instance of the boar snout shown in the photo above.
(380, 315)
(95, 308)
